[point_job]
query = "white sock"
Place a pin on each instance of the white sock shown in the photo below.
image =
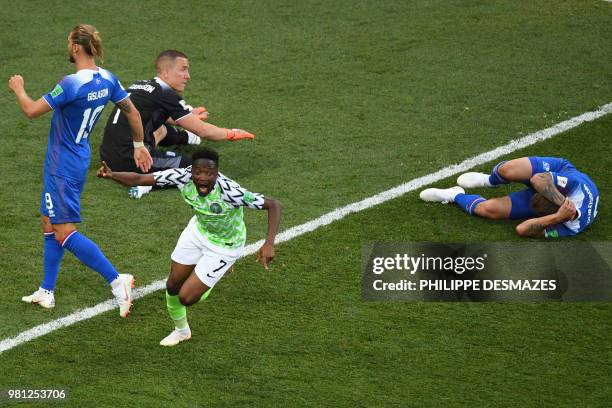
(116, 283)
(193, 139)
(487, 182)
(145, 189)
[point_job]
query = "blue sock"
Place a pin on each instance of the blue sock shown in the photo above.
(495, 179)
(52, 258)
(88, 252)
(469, 202)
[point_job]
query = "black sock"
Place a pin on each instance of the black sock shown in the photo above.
(174, 137)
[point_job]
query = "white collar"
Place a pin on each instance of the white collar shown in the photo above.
(90, 70)
(162, 82)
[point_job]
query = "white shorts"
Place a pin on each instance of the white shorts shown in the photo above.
(211, 261)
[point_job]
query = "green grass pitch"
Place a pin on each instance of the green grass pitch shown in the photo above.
(347, 99)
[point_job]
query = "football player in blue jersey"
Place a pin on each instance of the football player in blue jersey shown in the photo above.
(559, 200)
(77, 102)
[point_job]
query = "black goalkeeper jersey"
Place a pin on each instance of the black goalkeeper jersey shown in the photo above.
(156, 101)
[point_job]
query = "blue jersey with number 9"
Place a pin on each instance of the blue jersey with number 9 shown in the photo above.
(77, 102)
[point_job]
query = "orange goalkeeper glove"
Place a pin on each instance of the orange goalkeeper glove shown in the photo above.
(237, 134)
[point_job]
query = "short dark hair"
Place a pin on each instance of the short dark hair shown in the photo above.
(168, 57)
(205, 153)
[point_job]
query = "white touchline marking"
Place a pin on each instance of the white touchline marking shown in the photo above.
(326, 219)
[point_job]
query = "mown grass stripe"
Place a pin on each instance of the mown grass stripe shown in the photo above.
(328, 218)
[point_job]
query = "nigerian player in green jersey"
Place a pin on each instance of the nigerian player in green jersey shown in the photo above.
(215, 236)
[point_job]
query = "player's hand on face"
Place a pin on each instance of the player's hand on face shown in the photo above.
(104, 171)
(16, 83)
(143, 159)
(237, 134)
(567, 211)
(200, 112)
(265, 255)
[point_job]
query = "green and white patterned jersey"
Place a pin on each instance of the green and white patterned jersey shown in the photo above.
(219, 213)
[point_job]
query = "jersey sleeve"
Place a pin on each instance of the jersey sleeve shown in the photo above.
(61, 94)
(119, 93)
(565, 182)
(172, 103)
(558, 231)
(237, 196)
(178, 177)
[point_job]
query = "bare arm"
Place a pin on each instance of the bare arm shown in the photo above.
(142, 157)
(30, 107)
(535, 227)
(266, 253)
(126, 178)
(543, 184)
(211, 132)
(200, 112)
(133, 117)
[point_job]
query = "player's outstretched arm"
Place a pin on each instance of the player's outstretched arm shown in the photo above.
(266, 254)
(142, 157)
(200, 112)
(126, 178)
(212, 132)
(31, 108)
(535, 227)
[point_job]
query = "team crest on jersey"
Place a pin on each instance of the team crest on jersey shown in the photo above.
(56, 91)
(546, 166)
(215, 208)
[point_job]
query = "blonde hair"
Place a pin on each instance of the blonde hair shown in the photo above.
(89, 38)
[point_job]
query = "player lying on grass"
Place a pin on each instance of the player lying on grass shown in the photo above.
(77, 102)
(214, 238)
(559, 200)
